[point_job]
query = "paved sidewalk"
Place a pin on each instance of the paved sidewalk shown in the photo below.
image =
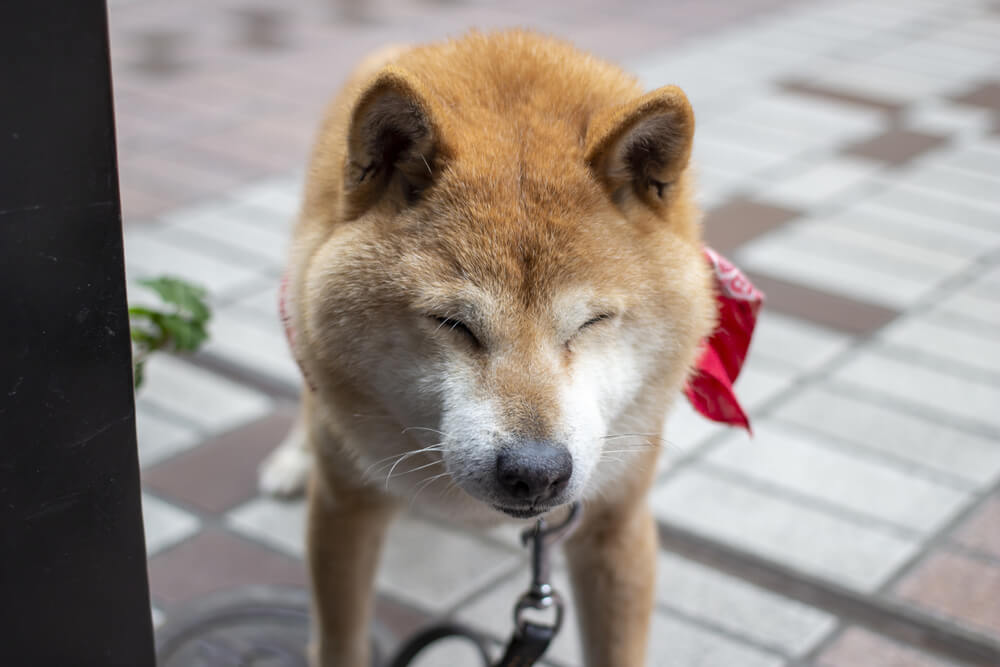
(849, 158)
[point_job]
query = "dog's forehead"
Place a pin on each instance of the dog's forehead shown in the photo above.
(526, 242)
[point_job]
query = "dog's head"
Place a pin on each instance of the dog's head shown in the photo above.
(518, 284)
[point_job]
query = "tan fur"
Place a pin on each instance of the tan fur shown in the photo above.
(528, 188)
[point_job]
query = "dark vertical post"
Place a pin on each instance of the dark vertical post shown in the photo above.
(73, 587)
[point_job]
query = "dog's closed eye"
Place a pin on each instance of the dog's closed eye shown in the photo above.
(458, 326)
(596, 319)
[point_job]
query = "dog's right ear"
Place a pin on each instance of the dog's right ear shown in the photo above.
(392, 144)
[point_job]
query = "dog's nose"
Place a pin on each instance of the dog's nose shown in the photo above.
(534, 471)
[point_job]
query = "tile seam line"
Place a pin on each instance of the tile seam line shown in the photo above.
(838, 443)
(800, 499)
(885, 617)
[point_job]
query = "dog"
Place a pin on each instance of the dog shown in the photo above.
(496, 290)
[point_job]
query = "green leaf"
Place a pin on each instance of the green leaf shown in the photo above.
(182, 328)
(184, 295)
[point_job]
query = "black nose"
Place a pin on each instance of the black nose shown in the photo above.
(534, 471)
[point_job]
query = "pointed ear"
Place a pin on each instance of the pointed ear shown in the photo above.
(392, 144)
(642, 146)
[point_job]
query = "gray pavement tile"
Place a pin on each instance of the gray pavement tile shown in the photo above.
(674, 642)
(794, 342)
(149, 254)
(743, 610)
(909, 439)
(927, 389)
(792, 459)
(939, 336)
(908, 231)
(806, 262)
(279, 523)
(905, 197)
(165, 525)
(253, 341)
(208, 401)
(831, 181)
(160, 437)
(789, 532)
(435, 568)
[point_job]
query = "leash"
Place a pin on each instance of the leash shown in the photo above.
(530, 638)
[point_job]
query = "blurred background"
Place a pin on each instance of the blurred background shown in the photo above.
(849, 160)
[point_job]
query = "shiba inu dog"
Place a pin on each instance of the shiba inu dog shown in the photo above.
(497, 288)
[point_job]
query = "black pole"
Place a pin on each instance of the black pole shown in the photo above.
(73, 587)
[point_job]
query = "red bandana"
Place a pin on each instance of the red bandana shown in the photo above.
(710, 388)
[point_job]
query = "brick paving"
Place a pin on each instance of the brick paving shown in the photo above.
(849, 159)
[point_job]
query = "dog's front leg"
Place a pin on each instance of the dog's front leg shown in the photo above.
(346, 531)
(612, 559)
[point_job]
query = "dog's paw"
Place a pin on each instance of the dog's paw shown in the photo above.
(285, 471)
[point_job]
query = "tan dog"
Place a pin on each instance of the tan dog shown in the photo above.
(497, 289)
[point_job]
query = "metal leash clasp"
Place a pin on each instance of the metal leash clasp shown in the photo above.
(541, 596)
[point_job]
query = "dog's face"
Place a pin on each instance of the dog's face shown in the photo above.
(510, 314)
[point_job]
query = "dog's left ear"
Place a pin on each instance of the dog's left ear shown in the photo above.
(642, 145)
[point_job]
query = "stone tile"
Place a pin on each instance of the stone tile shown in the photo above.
(204, 399)
(985, 94)
(160, 438)
(981, 530)
(280, 196)
(760, 381)
(827, 92)
(796, 258)
(857, 647)
(703, 594)
(686, 431)
(828, 182)
(233, 233)
(792, 459)
(731, 158)
(955, 586)
(279, 523)
(804, 538)
(940, 337)
(222, 472)
(164, 524)
(926, 389)
(216, 560)
(806, 115)
(741, 220)
(909, 439)
(883, 82)
(794, 342)
(821, 307)
(981, 158)
(865, 248)
(946, 118)
(904, 197)
(673, 641)
(149, 255)
(255, 342)
(970, 306)
(956, 184)
(772, 140)
(915, 235)
(896, 146)
(435, 568)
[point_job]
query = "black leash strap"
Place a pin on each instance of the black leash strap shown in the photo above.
(530, 639)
